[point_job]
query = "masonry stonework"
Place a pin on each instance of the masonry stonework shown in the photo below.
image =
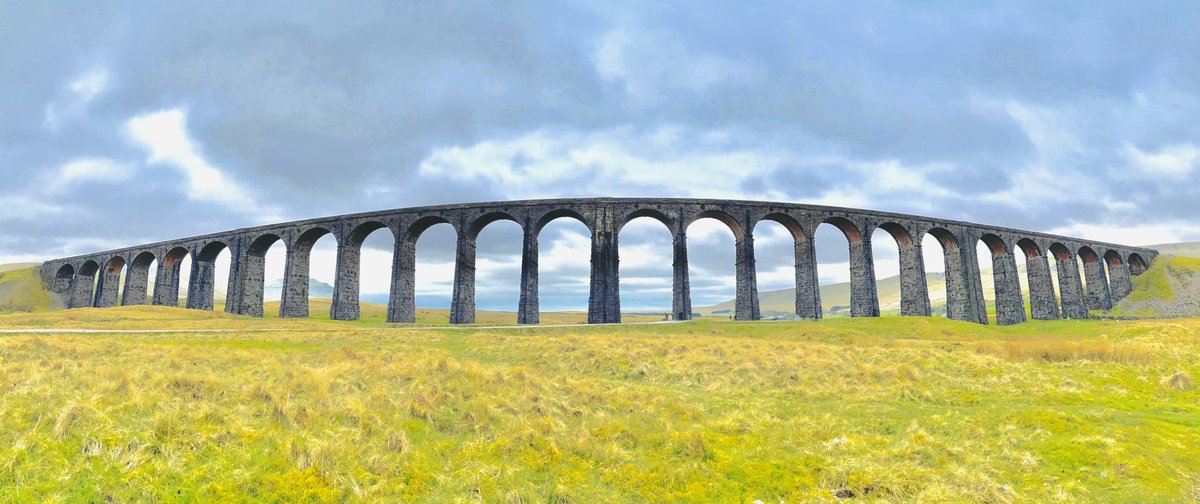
(94, 279)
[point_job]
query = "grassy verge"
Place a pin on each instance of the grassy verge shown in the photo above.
(891, 409)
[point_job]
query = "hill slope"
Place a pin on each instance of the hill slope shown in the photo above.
(1170, 288)
(21, 290)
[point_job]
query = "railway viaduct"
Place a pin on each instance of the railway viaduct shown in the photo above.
(93, 280)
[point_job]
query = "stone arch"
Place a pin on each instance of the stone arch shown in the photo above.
(790, 223)
(728, 220)
(1137, 265)
(641, 274)
(137, 279)
(1098, 294)
(211, 250)
(63, 278)
(202, 284)
(166, 282)
(1006, 280)
(347, 283)
(360, 232)
(305, 241)
(953, 270)
(251, 275)
(85, 284)
(559, 213)
(652, 213)
(995, 244)
(947, 239)
(484, 220)
(849, 229)
(1029, 247)
(419, 226)
(914, 289)
(1120, 285)
(1070, 285)
(1043, 302)
(864, 298)
(899, 233)
(294, 301)
(1113, 258)
(108, 287)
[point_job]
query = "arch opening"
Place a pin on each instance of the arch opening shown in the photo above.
(944, 271)
(1069, 282)
(712, 268)
(168, 289)
(564, 266)
(375, 248)
(498, 267)
(108, 285)
(251, 291)
(1137, 265)
(137, 280)
(832, 240)
(886, 241)
(309, 274)
(208, 285)
(435, 245)
(775, 239)
(63, 279)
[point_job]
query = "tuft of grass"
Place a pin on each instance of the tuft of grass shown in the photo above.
(1178, 381)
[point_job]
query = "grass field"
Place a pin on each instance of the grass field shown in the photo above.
(890, 409)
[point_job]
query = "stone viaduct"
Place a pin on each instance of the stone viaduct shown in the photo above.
(93, 280)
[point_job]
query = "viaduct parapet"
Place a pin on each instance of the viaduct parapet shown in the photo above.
(93, 280)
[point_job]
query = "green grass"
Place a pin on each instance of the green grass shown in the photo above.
(21, 290)
(1155, 288)
(889, 409)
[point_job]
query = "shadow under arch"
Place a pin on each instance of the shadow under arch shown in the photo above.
(201, 286)
(954, 272)
(137, 279)
(643, 266)
(294, 300)
(166, 279)
(251, 273)
(1006, 281)
(63, 279)
(348, 277)
(1098, 296)
(864, 298)
(746, 303)
(108, 287)
(914, 288)
(85, 285)
(1137, 265)
(1043, 302)
(1070, 285)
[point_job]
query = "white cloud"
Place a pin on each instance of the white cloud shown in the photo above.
(26, 208)
(90, 85)
(1174, 161)
(531, 164)
(163, 134)
(1140, 234)
(82, 90)
(84, 170)
(650, 63)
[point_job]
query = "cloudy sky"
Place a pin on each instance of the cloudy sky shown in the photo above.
(128, 122)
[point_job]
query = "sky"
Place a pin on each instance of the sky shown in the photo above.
(132, 122)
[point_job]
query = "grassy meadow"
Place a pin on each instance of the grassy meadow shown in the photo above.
(872, 410)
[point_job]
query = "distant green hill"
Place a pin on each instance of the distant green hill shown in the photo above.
(1184, 249)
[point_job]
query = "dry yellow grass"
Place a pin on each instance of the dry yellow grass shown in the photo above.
(892, 409)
